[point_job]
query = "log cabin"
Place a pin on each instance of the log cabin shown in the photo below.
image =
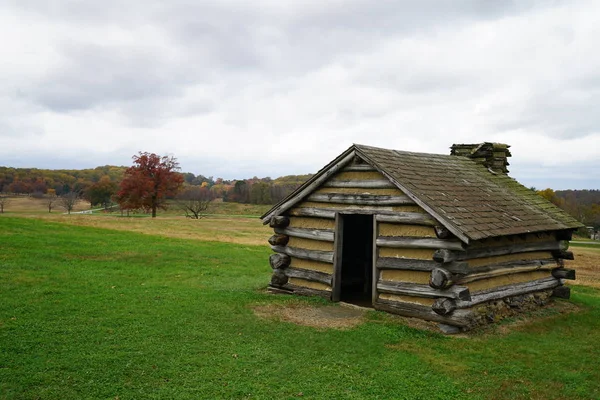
(446, 238)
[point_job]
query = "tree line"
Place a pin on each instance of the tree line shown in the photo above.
(107, 186)
(584, 205)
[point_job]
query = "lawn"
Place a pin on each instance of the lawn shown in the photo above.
(93, 312)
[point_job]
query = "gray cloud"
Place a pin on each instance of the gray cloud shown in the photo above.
(281, 86)
(92, 75)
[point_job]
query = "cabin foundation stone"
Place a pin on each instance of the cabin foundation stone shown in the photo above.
(497, 310)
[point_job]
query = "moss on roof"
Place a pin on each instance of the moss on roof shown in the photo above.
(466, 195)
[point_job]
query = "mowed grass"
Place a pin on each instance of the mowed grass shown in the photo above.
(586, 264)
(227, 222)
(25, 205)
(229, 229)
(89, 312)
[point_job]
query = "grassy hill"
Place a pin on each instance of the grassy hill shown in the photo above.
(91, 312)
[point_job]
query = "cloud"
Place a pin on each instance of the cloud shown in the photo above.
(237, 89)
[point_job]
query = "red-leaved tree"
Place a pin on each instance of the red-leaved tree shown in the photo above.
(149, 182)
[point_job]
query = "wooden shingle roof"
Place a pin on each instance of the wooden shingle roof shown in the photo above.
(466, 196)
(468, 199)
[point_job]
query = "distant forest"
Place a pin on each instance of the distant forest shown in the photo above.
(584, 205)
(581, 204)
(40, 182)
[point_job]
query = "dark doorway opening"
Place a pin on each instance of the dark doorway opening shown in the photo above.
(357, 260)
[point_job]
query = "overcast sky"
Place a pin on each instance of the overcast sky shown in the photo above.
(237, 88)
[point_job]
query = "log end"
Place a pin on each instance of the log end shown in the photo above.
(444, 306)
(563, 273)
(444, 256)
(562, 292)
(442, 232)
(279, 261)
(279, 221)
(279, 278)
(440, 278)
(562, 254)
(279, 240)
(464, 294)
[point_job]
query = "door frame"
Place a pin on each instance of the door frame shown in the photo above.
(338, 256)
(338, 245)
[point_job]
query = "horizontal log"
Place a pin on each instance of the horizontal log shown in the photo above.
(562, 292)
(498, 272)
(315, 255)
(279, 221)
(279, 260)
(309, 275)
(417, 243)
(326, 235)
(307, 291)
(515, 289)
(543, 262)
(360, 184)
(420, 265)
(313, 212)
(445, 255)
(442, 278)
(563, 273)
(461, 318)
(344, 209)
(279, 240)
(411, 218)
(359, 168)
(360, 199)
(278, 290)
(419, 290)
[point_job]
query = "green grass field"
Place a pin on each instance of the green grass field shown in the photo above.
(91, 312)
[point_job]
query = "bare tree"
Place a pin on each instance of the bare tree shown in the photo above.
(4, 200)
(195, 201)
(51, 200)
(68, 201)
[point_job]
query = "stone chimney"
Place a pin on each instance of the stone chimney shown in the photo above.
(493, 155)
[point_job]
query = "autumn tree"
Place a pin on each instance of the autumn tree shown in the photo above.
(101, 192)
(20, 187)
(149, 182)
(260, 193)
(195, 201)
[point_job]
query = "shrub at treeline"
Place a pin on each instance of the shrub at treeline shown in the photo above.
(101, 184)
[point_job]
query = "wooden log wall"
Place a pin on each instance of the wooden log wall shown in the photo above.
(305, 235)
(405, 245)
(462, 278)
(502, 268)
(309, 249)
